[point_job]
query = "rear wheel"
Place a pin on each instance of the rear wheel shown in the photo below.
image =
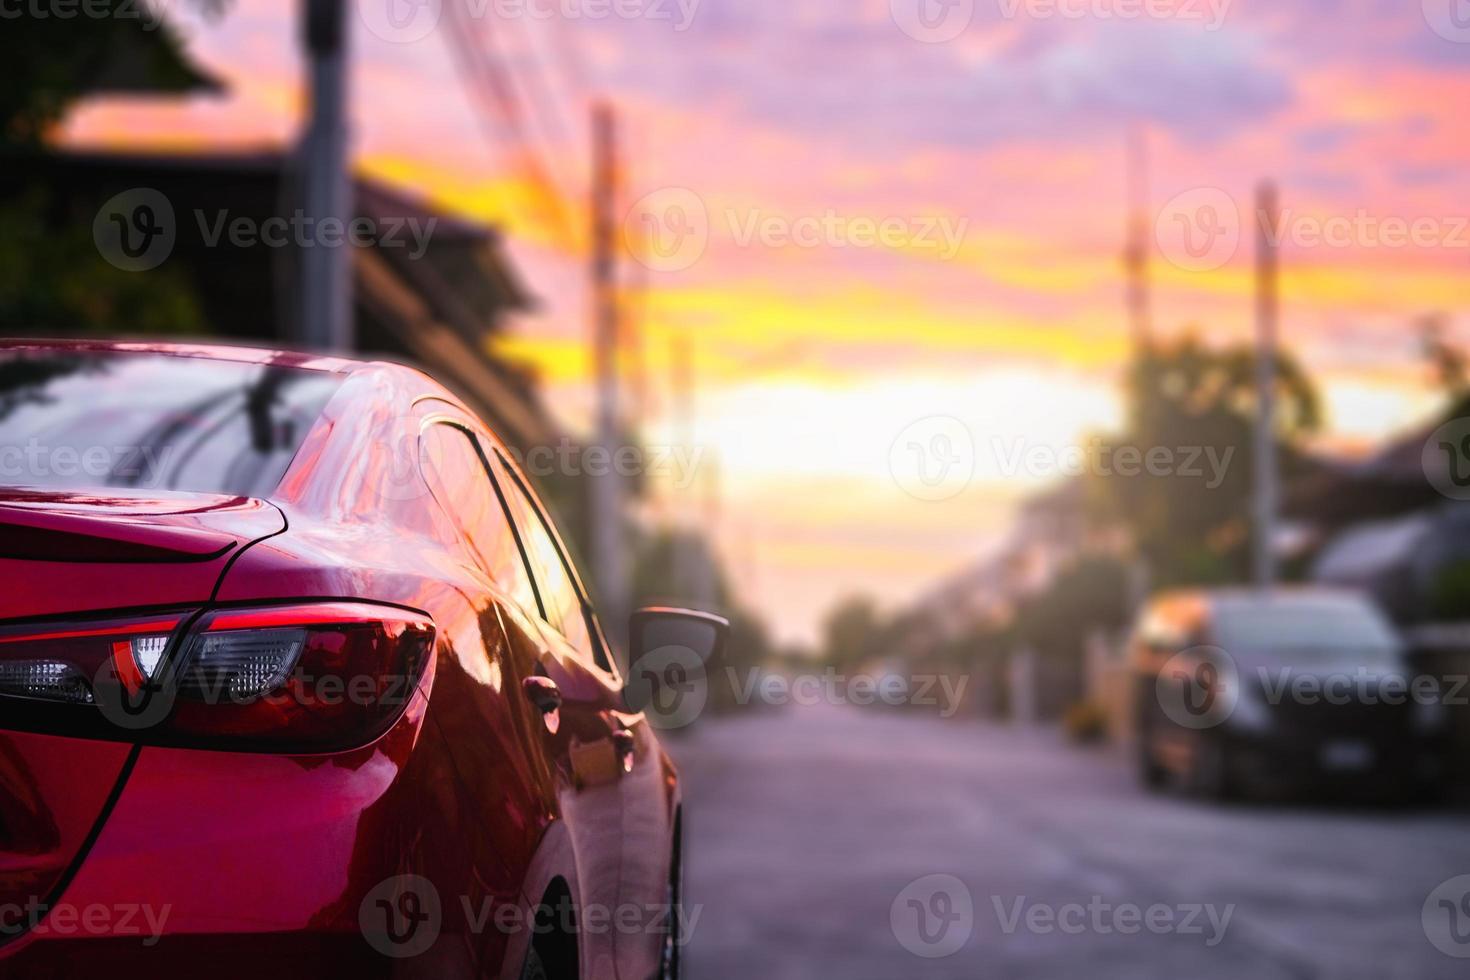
(1151, 775)
(1209, 769)
(533, 968)
(674, 938)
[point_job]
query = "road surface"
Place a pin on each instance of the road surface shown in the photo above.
(816, 835)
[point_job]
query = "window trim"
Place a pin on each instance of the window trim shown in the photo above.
(601, 653)
(450, 422)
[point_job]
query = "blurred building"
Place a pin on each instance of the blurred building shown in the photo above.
(432, 289)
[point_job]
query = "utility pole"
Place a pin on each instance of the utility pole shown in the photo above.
(609, 558)
(326, 272)
(1267, 312)
(687, 568)
(1136, 252)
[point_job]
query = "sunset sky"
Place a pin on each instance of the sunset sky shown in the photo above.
(985, 140)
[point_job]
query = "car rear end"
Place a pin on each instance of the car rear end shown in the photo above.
(185, 786)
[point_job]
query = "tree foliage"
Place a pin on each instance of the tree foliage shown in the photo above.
(1197, 400)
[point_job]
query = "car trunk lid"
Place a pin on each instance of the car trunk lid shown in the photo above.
(70, 557)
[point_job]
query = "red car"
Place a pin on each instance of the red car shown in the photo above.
(296, 679)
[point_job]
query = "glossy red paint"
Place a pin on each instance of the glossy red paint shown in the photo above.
(261, 863)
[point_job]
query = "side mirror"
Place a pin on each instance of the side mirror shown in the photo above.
(701, 634)
(669, 650)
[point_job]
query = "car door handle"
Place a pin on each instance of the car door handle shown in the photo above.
(626, 747)
(546, 696)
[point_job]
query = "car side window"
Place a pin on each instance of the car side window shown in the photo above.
(455, 473)
(563, 607)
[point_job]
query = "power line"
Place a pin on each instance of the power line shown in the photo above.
(495, 96)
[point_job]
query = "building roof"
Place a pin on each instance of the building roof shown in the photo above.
(439, 308)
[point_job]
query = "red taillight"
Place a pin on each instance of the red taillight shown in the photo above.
(311, 677)
(300, 678)
(66, 663)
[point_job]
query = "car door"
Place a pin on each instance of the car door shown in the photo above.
(644, 819)
(495, 736)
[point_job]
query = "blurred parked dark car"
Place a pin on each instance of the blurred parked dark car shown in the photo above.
(1295, 689)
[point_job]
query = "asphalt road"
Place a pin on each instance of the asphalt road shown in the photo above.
(815, 833)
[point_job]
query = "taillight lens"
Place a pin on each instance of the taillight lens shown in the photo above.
(309, 677)
(301, 678)
(64, 663)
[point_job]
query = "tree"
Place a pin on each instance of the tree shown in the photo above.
(1446, 360)
(1200, 401)
(51, 274)
(854, 631)
(52, 62)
